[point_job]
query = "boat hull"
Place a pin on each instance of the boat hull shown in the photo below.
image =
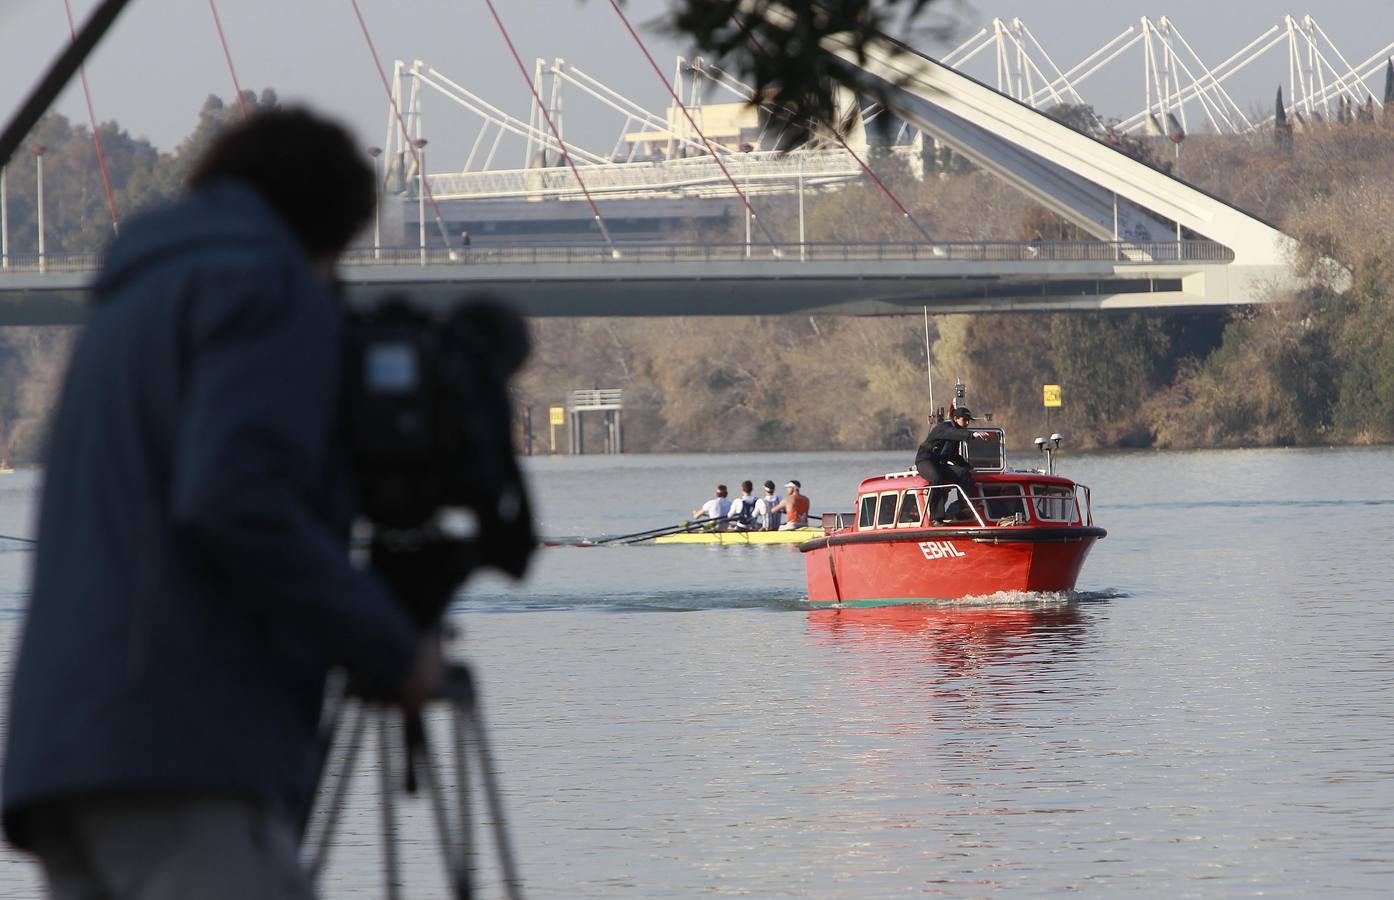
(727, 538)
(944, 563)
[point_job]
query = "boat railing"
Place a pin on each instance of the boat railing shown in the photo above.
(836, 521)
(993, 505)
(1079, 498)
(973, 502)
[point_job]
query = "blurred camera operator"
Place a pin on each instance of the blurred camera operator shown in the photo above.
(192, 585)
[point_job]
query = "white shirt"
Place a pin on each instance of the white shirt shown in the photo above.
(716, 508)
(762, 512)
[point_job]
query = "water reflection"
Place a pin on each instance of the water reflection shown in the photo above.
(952, 669)
(956, 639)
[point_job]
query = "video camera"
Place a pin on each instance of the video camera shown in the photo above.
(431, 436)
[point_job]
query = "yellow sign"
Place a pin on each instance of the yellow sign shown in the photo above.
(1052, 394)
(559, 415)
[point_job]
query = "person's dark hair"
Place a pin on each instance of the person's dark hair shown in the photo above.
(747, 487)
(307, 168)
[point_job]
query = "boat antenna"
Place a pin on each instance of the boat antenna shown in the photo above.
(928, 368)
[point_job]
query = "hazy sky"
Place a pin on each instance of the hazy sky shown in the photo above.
(163, 58)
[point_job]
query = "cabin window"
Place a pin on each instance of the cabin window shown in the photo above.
(867, 518)
(1053, 504)
(885, 516)
(910, 509)
(1004, 500)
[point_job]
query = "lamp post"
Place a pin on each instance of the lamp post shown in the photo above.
(375, 152)
(4, 218)
(420, 144)
(38, 151)
(803, 246)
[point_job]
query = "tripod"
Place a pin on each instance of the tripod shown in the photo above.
(349, 715)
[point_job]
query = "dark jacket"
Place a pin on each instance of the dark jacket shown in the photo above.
(943, 444)
(191, 584)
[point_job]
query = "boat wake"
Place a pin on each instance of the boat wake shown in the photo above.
(636, 601)
(1022, 600)
(790, 600)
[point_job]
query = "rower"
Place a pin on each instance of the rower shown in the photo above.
(743, 508)
(794, 506)
(717, 507)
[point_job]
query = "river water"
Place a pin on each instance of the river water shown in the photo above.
(1211, 714)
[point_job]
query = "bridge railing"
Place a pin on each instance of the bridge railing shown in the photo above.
(1116, 252)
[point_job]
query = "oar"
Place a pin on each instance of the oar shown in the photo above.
(671, 530)
(22, 540)
(634, 536)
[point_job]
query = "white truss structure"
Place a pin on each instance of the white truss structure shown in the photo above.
(1177, 85)
(1179, 91)
(687, 169)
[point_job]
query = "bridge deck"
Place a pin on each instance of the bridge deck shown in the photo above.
(669, 280)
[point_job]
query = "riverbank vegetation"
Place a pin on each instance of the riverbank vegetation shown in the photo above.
(1315, 367)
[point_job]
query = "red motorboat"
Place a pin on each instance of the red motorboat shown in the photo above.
(1025, 530)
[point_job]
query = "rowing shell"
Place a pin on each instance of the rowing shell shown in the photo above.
(796, 536)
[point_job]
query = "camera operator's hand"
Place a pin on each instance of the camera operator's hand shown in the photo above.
(426, 675)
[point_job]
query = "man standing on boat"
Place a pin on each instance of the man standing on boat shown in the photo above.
(794, 507)
(939, 461)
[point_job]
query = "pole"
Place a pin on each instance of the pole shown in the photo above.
(1115, 225)
(376, 153)
(39, 165)
(421, 193)
(803, 249)
(928, 368)
(4, 218)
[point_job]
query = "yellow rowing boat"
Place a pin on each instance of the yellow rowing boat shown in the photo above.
(796, 536)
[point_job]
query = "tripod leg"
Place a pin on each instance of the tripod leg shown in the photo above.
(459, 725)
(320, 849)
(455, 869)
(392, 882)
(513, 884)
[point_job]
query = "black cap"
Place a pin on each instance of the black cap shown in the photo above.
(962, 412)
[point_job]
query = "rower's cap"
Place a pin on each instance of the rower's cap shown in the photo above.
(793, 484)
(962, 412)
(769, 484)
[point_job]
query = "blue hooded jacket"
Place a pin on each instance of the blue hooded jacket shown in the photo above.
(192, 585)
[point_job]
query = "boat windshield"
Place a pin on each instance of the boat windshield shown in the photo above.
(867, 517)
(985, 454)
(885, 516)
(1054, 504)
(910, 509)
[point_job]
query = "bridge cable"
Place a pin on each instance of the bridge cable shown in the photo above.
(750, 210)
(406, 132)
(222, 39)
(885, 190)
(96, 135)
(542, 107)
(755, 35)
